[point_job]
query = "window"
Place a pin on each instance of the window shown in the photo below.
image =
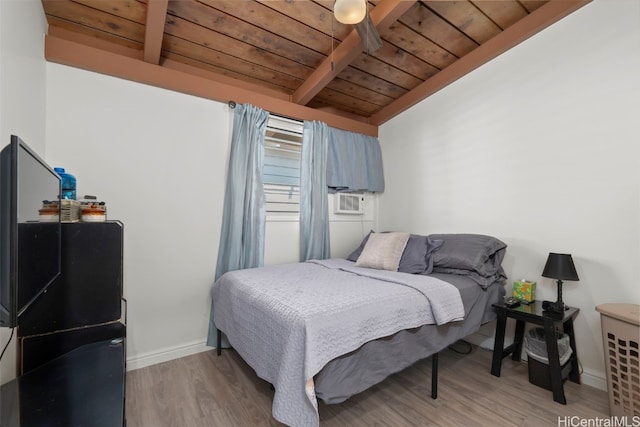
(283, 150)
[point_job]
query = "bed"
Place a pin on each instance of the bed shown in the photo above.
(328, 329)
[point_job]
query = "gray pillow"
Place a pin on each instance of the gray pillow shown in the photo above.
(433, 245)
(414, 259)
(475, 252)
(357, 251)
(417, 255)
(483, 281)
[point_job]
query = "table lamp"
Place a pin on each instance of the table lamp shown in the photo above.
(559, 267)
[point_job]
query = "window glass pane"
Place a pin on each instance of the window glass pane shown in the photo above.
(283, 145)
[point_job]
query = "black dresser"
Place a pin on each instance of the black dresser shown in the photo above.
(72, 340)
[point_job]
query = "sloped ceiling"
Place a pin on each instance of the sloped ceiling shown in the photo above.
(292, 57)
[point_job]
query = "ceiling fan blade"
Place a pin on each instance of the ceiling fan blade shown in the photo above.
(369, 35)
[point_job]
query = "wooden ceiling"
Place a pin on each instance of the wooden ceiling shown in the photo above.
(291, 56)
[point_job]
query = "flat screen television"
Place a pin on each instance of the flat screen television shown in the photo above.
(29, 248)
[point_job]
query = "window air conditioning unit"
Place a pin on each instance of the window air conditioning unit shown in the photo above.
(348, 203)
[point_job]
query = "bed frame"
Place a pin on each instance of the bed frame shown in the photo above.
(434, 365)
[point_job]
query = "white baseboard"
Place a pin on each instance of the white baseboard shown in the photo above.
(594, 379)
(165, 355)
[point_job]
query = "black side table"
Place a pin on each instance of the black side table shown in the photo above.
(534, 314)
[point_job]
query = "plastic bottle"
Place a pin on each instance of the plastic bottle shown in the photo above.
(68, 190)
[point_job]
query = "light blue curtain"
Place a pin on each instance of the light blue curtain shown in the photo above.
(314, 210)
(354, 162)
(243, 219)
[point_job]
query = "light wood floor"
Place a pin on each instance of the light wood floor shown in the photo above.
(206, 390)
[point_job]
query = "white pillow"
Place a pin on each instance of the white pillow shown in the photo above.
(383, 251)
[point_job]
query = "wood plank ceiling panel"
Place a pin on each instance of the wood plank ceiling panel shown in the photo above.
(351, 77)
(83, 30)
(181, 50)
(321, 18)
(240, 57)
(384, 15)
(363, 71)
(427, 23)
(346, 102)
(503, 13)
(94, 18)
(395, 65)
(312, 14)
(466, 17)
(267, 29)
(354, 85)
(213, 29)
(532, 5)
(132, 10)
(411, 41)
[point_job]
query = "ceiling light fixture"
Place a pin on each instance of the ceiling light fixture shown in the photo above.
(350, 11)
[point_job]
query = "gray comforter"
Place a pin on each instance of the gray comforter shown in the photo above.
(288, 321)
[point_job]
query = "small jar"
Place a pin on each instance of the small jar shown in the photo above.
(93, 213)
(51, 214)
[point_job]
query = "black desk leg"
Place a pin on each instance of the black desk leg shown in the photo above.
(575, 373)
(498, 343)
(219, 343)
(555, 372)
(518, 340)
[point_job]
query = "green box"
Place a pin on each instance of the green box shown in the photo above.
(524, 290)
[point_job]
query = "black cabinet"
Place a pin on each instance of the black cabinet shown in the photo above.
(39, 349)
(83, 387)
(89, 288)
(72, 339)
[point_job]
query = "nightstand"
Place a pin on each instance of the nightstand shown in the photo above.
(534, 314)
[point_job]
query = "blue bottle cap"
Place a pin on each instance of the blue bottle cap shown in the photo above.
(59, 170)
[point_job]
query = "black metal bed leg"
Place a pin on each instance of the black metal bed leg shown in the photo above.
(434, 376)
(219, 343)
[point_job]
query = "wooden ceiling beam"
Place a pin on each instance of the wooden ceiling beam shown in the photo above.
(383, 15)
(95, 42)
(181, 79)
(535, 22)
(154, 30)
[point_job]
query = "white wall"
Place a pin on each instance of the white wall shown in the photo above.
(540, 148)
(345, 232)
(158, 158)
(22, 99)
(22, 72)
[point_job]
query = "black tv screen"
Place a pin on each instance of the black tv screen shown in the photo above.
(29, 248)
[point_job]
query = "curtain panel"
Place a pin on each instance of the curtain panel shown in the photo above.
(314, 209)
(354, 162)
(243, 218)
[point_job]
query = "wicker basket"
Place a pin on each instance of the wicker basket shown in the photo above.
(621, 339)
